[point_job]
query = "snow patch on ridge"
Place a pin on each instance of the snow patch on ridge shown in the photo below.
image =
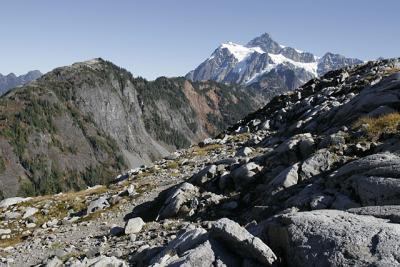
(241, 52)
(281, 59)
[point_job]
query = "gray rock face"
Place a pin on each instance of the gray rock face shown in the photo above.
(244, 174)
(286, 178)
(390, 212)
(29, 211)
(384, 93)
(373, 179)
(204, 175)
(321, 161)
(184, 242)
(10, 215)
(103, 261)
(244, 152)
(182, 195)
(335, 238)
(134, 226)
(5, 231)
(54, 262)
(242, 242)
(202, 256)
(335, 61)
(5, 203)
(295, 148)
(97, 204)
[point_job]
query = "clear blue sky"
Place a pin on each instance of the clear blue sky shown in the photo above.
(170, 37)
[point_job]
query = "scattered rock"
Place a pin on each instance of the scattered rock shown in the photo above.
(53, 262)
(103, 261)
(134, 226)
(29, 211)
(98, 204)
(5, 203)
(295, 148)
(5, 231)
(244, 152)
(242, 242)
(204, 175)
(288, 177)
(177, 198)
(117, 230)
(244, 174)
(184, 242)
(321, 161)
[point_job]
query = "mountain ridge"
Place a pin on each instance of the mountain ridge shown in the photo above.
(247, 64)
(81, 125)
(11, 80)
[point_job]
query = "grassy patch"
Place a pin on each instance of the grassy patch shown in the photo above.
(202, 151)
(10, 242)
(392, 70)
(375, 127)
(172, 165)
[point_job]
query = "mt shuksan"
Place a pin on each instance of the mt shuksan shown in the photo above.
(262, 57)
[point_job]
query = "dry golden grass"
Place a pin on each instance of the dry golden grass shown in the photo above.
(202, 151)
(172, 165)
(65, 196)
(376, 126)
(392, 70)
(241, 137)
(10, 242)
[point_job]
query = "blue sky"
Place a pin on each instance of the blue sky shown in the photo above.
(170, 37)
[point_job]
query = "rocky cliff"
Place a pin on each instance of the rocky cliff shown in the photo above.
(82, 124)
(311, 179)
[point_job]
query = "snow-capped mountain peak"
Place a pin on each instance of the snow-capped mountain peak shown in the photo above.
(246, 64)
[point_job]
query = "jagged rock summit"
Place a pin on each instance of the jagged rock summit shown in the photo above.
(310, 179)
(264, 63)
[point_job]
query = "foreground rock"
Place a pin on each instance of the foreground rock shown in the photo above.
(226, 244)
(134, 226)
(5, 203)
(334, 238)
(242, 242)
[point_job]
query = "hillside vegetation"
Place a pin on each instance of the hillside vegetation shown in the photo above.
(81, 125)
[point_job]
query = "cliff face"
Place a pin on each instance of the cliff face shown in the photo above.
(82, 124)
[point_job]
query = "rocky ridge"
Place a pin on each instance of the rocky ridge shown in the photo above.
(310, 179)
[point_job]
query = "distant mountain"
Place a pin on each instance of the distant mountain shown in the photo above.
(11, 80)
(82, 124)
(264, 63)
